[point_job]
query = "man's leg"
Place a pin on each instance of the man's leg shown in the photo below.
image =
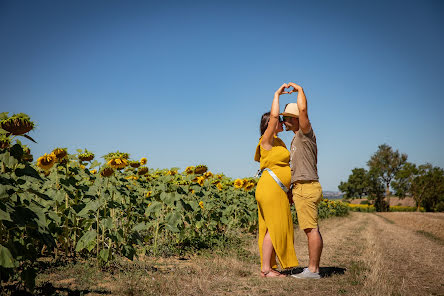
(315, 245)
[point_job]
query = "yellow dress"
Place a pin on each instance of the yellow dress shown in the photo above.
(272, 202)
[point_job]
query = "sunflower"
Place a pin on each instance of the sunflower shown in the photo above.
(18, 124)
(238, 183)
(219, 186)
(60, 153)
(142, 171)
(171, 172)
(118, 163)
(93, 172)
(46, 161)
(189, 170)
(200, 169)
(249, 186)
(201, 204)
(200, 180)
(148, 194)
(134, 164)
(107, 172)
(86, 156)
(208, 175)
(143, 161)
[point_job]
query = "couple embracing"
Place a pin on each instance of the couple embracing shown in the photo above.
(287, 177)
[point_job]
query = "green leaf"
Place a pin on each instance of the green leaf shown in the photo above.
(173, 218)
(87, 241)
(140, 226)
(8, 160)
(104, 255)
(107, 223)
(4, 216)
(6, 259)
(91, 206)
(154, 207)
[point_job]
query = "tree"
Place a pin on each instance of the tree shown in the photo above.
(385, 164)
(403, 179)
(375, 190)
(357, 184)
(427, 188)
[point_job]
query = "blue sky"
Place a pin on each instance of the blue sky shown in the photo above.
(184, 83)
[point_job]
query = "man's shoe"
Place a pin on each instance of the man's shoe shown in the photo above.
(307, 274)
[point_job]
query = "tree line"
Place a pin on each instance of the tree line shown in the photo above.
(390, 169)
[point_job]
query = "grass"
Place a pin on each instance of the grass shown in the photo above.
(363, 255)
(431, 236)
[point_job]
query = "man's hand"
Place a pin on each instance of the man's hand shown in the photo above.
(281, 90)
(296, 87)
(290, 197)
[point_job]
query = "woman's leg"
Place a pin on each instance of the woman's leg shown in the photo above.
(267, 256)
(267, 251)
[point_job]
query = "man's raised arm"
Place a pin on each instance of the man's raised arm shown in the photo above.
(304, 122)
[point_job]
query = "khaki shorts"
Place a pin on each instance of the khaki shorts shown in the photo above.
(306, 197)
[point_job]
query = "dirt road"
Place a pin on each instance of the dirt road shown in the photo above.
(364, 254)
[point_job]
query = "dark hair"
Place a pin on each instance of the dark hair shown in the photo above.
(264, 122)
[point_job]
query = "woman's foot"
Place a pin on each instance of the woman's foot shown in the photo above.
(272, 273)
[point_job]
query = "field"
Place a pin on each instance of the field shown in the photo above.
(364, 254)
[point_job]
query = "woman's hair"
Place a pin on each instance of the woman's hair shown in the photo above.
(264, 122)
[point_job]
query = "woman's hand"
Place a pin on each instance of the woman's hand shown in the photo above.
(281, 90)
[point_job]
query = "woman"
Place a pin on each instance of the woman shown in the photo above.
(275, 221)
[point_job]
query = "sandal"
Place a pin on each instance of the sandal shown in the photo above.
(272, 273)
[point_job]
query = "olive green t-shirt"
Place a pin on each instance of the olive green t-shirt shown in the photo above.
(304, 157)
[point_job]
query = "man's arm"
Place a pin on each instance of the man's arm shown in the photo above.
(304, 122)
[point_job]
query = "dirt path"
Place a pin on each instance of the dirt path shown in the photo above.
(364, 254)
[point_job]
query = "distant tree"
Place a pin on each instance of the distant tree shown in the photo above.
(427, 188)
(375, 190)
(357, 184)
(385, 164)
(403, 179)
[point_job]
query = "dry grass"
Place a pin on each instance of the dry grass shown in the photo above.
(394, 201)
(363, 255)
(427, 222)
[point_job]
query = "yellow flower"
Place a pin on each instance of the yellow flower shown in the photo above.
(171, 173)
(93, 171)
(148, 194)
(201, 204)
(46, 161)
(59, 153)
(118, 163)
(192, 191)
(189, 170)
(82, 166)
(219, 186)
(200, 180)
(208, 175)
(143, 161)
(249, 186)
(238, 183)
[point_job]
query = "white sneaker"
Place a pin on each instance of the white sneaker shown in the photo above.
(307, 274)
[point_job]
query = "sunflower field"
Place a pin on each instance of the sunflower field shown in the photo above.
(70, 205)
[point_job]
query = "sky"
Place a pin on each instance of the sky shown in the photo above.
(186, 82)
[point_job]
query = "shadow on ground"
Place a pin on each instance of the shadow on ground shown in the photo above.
(49, 289)
(323, 271)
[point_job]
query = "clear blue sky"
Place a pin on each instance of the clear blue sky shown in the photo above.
(185, 82)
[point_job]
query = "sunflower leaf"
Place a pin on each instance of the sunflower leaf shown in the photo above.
(29, 138)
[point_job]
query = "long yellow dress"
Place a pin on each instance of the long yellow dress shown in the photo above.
(272, 202)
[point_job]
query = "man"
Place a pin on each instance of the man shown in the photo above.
(306, 190)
